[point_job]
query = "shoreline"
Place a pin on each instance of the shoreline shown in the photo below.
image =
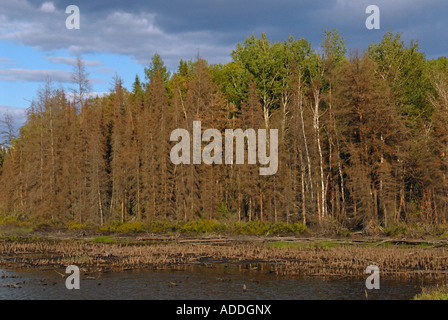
(288, 256)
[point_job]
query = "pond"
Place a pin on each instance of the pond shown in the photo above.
(221, 282)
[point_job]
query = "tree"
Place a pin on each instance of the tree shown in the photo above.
(232, 79)
(157, 65)
(363, 140)
(8, 130)
(403, 67)
(80, 78)
(137, 88)
(2, 157)
(258, 58)
(375, 139)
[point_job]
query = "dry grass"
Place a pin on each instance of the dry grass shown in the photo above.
(329, 261)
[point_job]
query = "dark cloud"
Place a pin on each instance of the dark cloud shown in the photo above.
(177, 29)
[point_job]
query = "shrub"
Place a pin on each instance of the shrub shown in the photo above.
(281, 228)
(257, 228)
(417, 230)
(260, 228)
(72, 225)
(110, 227)
(202, 226)
(7, 219)
(161, 226)
(132, 227)
(300, 228)
(397, 230)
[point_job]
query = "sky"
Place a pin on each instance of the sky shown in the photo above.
(120, 37)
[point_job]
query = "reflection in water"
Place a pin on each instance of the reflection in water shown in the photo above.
(222, 282)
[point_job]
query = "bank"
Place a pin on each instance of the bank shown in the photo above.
(285, 256)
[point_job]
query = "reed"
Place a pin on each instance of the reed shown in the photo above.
(298, 260)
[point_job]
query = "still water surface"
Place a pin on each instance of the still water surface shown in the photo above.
(198, 283)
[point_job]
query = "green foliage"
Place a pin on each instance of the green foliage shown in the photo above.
(45, 225)
(132, 227)
(202, 226)
(157, 66)
(283, 244)
(73, 225)
(8, 219)
(441, 230)
(104, 239)
(257, 228)
(183, 69)
(417, 230)
(397, 230)
(282, 228)
(2, 157)
(334, 46)
(438, 65)
(378, 244)
(137, 88)
(161, 227)
(224, 213)
(127, 227)
(110, 227)
(405, 70)
(336, 228)
(233, 80)
(433, 293)
(13, 223)
(262, 228)
(300, 228)
(316, 244)
(269, 65)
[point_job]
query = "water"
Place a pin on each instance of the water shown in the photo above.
(196, 283)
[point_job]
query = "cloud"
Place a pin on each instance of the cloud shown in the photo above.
(35, 75)
(18, 114)
(73, 61)
(178, 29)
(48, 7)
(39, 75)
(70, 95)
(136, 34)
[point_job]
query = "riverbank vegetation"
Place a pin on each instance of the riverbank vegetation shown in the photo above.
(314, 258)
(9, 226)
(362, 135)
(433, 293)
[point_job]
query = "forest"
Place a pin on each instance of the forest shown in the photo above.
(363, 140)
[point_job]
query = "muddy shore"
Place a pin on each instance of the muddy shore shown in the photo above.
(333, 258)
